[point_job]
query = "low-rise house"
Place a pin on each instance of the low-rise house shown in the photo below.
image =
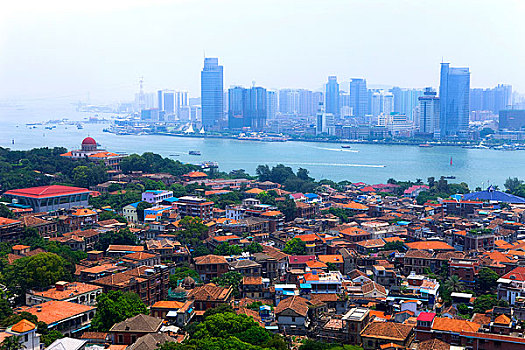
(75, 292)
(356, 320)
(128, 331)
(29, 339)
(151, 283)
(246, 267)
(211, 266)
(429, 326)
(45, 228)
(141, 259)
(512, 285)
(150, 341)
(67, 343)
(169, 250)
(179, 312)
(130, 212)
(380, 333)
(292, 315)
(209, 296)
(118, 250)
(10, 230)
(252, 287)
(63, 316)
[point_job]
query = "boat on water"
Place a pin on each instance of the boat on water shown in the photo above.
(345, 146)
(79, 126)
(174, 155)
(425, 145)
(450, 177)
(194, 153)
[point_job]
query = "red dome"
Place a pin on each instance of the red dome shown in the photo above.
(89, 141)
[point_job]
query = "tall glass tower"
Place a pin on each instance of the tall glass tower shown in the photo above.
(359, 97)
(454, 93)
(332, 96)
(211, 92)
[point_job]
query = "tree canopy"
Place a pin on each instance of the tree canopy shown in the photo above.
(114, 307)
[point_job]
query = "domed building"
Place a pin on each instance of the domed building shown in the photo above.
(89, 150)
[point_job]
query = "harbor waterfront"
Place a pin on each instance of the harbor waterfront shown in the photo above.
(361, 162)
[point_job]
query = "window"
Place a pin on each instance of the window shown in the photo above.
(120, 339)
(133, 338)
(293, 319)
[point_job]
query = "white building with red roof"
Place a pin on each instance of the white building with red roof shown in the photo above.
(50, 198)
(89, 150)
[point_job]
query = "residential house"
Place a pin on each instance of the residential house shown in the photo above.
(377, 334)
(292, 315)
(74, 292)
(211, 266)
(128, 331)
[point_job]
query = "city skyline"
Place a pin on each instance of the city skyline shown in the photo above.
(63, 50)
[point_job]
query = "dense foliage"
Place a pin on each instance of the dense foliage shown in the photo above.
(295, 246)
(154, 163)
(226, 330)
(123, 236)
(114, 307)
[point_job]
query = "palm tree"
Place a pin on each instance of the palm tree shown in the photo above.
(12, 343)
(454, 284)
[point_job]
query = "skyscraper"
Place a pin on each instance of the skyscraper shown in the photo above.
(169, 103)
(332, 96)
(429, 113)
(406, 101)
(237, 108)
(454, 90)
(257, 108)
(211, 92)
(247, 108)
(271, 104)
(358, 97)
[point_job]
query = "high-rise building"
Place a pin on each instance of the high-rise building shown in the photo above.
(257, 108)
(494, 100)
(406, 101)
(237, 108)
(454, 91)
(332, 96)
(429, 113)
(325, 122)
(211, 92)
(359, 97)
(247, 108)
(160, 99)
(169, 103)
(512, 119)
(271, 104)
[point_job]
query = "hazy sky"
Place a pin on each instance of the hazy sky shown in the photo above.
(58, 48)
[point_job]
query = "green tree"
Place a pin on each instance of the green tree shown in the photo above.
(219, 309)
(485, 302)
(227, 249)
(37, 272)
(486, 280)
(229, 279)
(49, 337)
(454, 284)
(108, 215)
(395, 245)
(288, 208)
(116, 306)
(254, 247)
(13, 342)
(295, 246)
(140, 209)
(512, 184)
(123, 236)
(5, 212)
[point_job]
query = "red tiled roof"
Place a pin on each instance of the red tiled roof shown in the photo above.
(46, 191)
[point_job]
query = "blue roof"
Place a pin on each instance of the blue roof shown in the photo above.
(155, 191)
(305, 285)
(311, 195)
(134, 205)
(171, 199)
(492, 195)
(403, 223)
